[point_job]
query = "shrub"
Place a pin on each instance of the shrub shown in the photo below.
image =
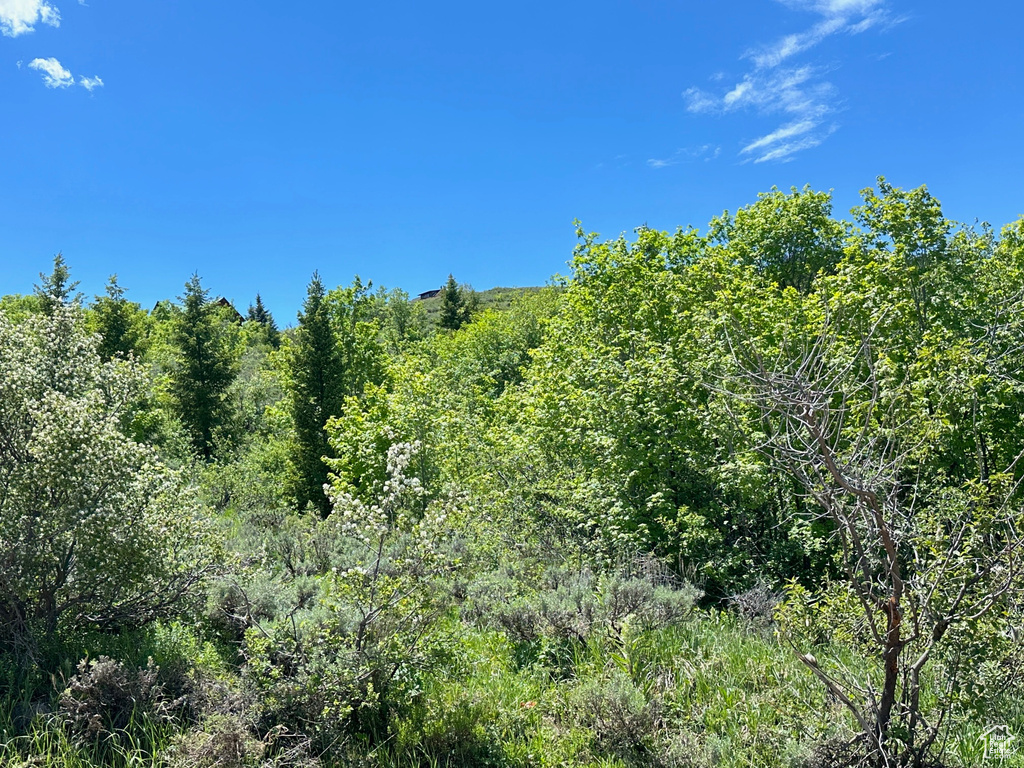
(622, 719)
(356, 621)
(756, 605)
(573, 605)
(226, 741)
(95, 533)
(107, 698)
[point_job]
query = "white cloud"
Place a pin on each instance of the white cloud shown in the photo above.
(700, 101)
(799, 92)
(836, 7)
(840, 16)
(705, 152)
(791, 45)
(782, 134)
(783, 143)
(20, 16)
(737, 94)
(54, 75)
(783, 90)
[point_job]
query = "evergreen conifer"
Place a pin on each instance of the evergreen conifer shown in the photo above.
(457, 304)
(316, 389)
(204, 371)
(259, 314)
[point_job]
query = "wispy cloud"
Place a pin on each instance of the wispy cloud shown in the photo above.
(20, 16)
(791, 45)
(799, 92)
(787, 140)
(705, 152)
(90, 83)
(54, 75)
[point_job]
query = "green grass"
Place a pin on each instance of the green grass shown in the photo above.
(705, 693)
(709, 692)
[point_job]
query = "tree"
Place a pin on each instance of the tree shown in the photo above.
(117, 321)
(887, 406)
(204, 368)
(95, 533)
(316, 391)
(402, 319)
(259, 314)
(927, 563)
(457, 304)
(626, 447)
(357, 333)
(789, 238)
(56, 290)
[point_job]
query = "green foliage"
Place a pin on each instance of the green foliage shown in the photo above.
(267, 330)
(204, 368)
(457, 305)
(618, 423)
(333, 355)
(358, 334)
(879, 405)
(316, 391)
(16, 307)
(402, 319)
(444, 393)
(56, 289)
(346, 652)
(121, 324)
(523, 510)
(578, 606)
(94, 532)
(790, 239)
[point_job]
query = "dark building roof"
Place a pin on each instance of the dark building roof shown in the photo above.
(429, 294)
(223, 302)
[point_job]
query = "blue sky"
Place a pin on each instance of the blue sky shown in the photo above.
(255, 142)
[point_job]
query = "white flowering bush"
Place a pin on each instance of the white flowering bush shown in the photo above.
(95, 533)
(366, 621)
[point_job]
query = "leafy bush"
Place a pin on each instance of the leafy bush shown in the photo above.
(94, 532)
(352, 617)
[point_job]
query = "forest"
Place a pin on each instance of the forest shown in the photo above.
(741, 496)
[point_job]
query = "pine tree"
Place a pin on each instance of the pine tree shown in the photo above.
(259, 314)
(316, 389)
(55, 289)
(204, 371)
(457, 304)
(116, 320)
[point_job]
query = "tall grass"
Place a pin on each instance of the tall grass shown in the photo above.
(711, 691)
